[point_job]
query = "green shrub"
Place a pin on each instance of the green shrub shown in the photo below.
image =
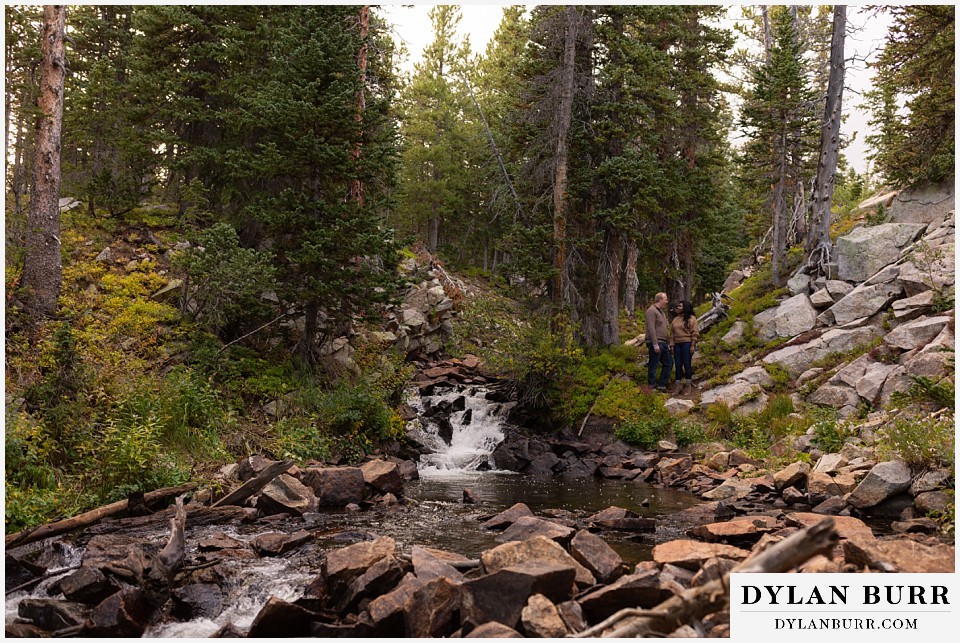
(940, 393)
(299, 438)
(921, 442)
(646, 420)
(780, 375)
(722, 418)
(688, 432)
(223, 281)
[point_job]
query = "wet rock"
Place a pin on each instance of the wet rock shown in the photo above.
(640, 589)
(795, 475)
(493, 630)
(278, 544)
(903, 555)
(743, 530)
(197, 600)
(506, 518)
(280, 619)
(386, 611)
(383, 476)
(732, 489)
(87, 585)
(915, 526)
(470, 496)
(124, 614)
(670, 468)
(621, 519)
(500, 596)
(596, 555)
(540, 618)
(527, 527)
(52, 615)
(884, 481)
(286, 494)
(335, 486)
(24, 631)
(572, 615)
(691, 553)
(427, 566)
(18, 572)
(359, 629)
(219, 541)
(537, 549)
(342, 566)
(380, 578)
(432, 609)
(831, 506)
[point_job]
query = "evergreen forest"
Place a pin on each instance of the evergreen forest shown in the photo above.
(205, 203)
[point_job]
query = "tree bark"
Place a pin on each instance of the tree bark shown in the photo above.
(610, 328)
(818, 242)
(255, 484)
(304, 350)
(564, 118)
(42, 269)
(632, 281)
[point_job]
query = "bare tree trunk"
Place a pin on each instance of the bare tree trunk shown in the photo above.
(632, 281)
(42, 269)
(433, 232)
(610, 328)
(818, 242)
(689, 267)
(564, 117)
(304, 350)
(767, 37)
(779, 210)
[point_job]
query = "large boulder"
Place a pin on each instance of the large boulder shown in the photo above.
(502, 595)
(286, 494)
(797, 358)
(917, 333)
(794, 475)
(596, 555)
(335, 486)
(930, 269)
(541, 618)
(640, 589)
(342, 566)
(537, 549)
(923, 204)
(792, 317)
(432, 609)
(507, 517)
(383, 476)
(733, 394)
(863, 301)
(862, 252)
(690, 554)
(884, 481)
(903, 555)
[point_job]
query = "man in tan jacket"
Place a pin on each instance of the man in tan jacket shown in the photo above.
(659, 344)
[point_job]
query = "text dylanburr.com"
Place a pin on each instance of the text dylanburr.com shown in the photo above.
(843, 607)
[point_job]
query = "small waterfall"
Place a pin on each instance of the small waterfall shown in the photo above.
(460, 425)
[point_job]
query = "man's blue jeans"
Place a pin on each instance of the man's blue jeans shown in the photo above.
(663, 359)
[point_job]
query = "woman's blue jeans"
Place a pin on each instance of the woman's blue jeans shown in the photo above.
(657, 359)
(684, 359)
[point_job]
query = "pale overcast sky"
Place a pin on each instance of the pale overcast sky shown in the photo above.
(480, 20)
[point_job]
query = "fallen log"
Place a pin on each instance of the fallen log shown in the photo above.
(41, 532)
(695, 603)
(255, 484)
(715, 314)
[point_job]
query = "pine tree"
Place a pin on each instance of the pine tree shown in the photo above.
(917, 67)
(776, 119)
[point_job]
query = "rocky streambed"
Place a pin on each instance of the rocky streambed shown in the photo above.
(287, 563)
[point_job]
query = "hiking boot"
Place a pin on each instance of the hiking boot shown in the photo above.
(687, 388)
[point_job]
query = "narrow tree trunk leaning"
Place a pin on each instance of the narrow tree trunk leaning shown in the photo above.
(255, 484)
(42, 269)
(818, 242)
(632, 281)
(715, 314)
(564, 117)
(356, 185)
(779, 204)
(496, 152)
(89, 518)
(695, 603)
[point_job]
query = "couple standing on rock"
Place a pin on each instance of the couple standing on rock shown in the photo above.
(679, 337)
